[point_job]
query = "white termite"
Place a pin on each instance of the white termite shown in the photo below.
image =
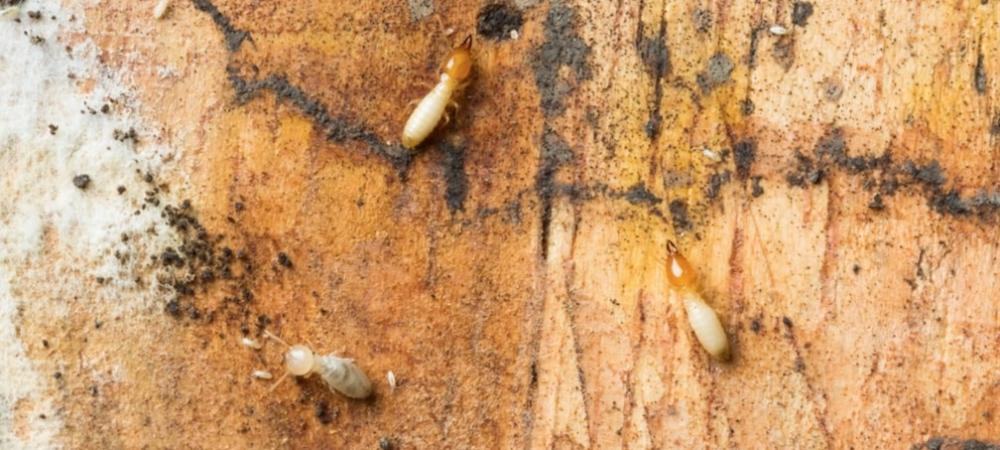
(340, 374)
(391, 378)
(778, 30)
(431, 108)
(702, 318)
(262, 375)
(160, 9)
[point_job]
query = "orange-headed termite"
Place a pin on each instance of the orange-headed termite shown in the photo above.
(431, 108)
(702, 317)
(340, 374)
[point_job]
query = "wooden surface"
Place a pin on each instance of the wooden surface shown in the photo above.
(837, 187)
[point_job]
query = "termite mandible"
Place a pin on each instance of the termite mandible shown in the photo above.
(702, 317)
(431, 108)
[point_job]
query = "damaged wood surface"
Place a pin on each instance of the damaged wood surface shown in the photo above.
(837, 187)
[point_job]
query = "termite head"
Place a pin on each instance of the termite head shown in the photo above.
(459, 65)
(299, 360)
(680, 274)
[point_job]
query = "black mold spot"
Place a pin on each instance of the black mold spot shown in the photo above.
(783, 51)
(562, 47)
(832, 90)
(679, 215)
(555, 153)
(788, 322)
(497, 20)
(756, 189)
(747, 107)
(715, 183)
(995, 124)
(801, 11)
(702, 19)
(385, 443)
(717, 72)
(979, 77)
(755, 34)
(337, 129)
(81, 181)
(930, 174)
(234, 36)
(639, 195)
(950, 203)
(937, 443)
(755, 325)
(656, 57)
(456, 184)
(744, 154)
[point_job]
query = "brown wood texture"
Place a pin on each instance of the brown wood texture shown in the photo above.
(837, 187)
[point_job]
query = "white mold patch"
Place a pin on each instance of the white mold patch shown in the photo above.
(56, 236)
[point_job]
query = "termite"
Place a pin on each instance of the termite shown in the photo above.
(340, 374)
(431, 108)
(702, 317)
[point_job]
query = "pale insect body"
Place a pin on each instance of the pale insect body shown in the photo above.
(431, 108)
(391, 379)
(160, 9)
(702, 318)
(340, 374)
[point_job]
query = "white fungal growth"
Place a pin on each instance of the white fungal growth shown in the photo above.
(247, 342)
(160, 9)
(514, 34)
(706, 325)
(10, 12)
(262, 375)
(711, 154)
(391, 378)
(778, 30)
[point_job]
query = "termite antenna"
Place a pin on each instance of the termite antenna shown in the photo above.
(276, 383)
(467, 43)
(671, 247)
(271, 336)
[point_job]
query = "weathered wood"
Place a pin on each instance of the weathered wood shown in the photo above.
(837, 187)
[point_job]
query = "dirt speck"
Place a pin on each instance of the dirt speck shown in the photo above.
(495, 21)
(284, 260)
(756, 189)
(81, 181)
(876, 204)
